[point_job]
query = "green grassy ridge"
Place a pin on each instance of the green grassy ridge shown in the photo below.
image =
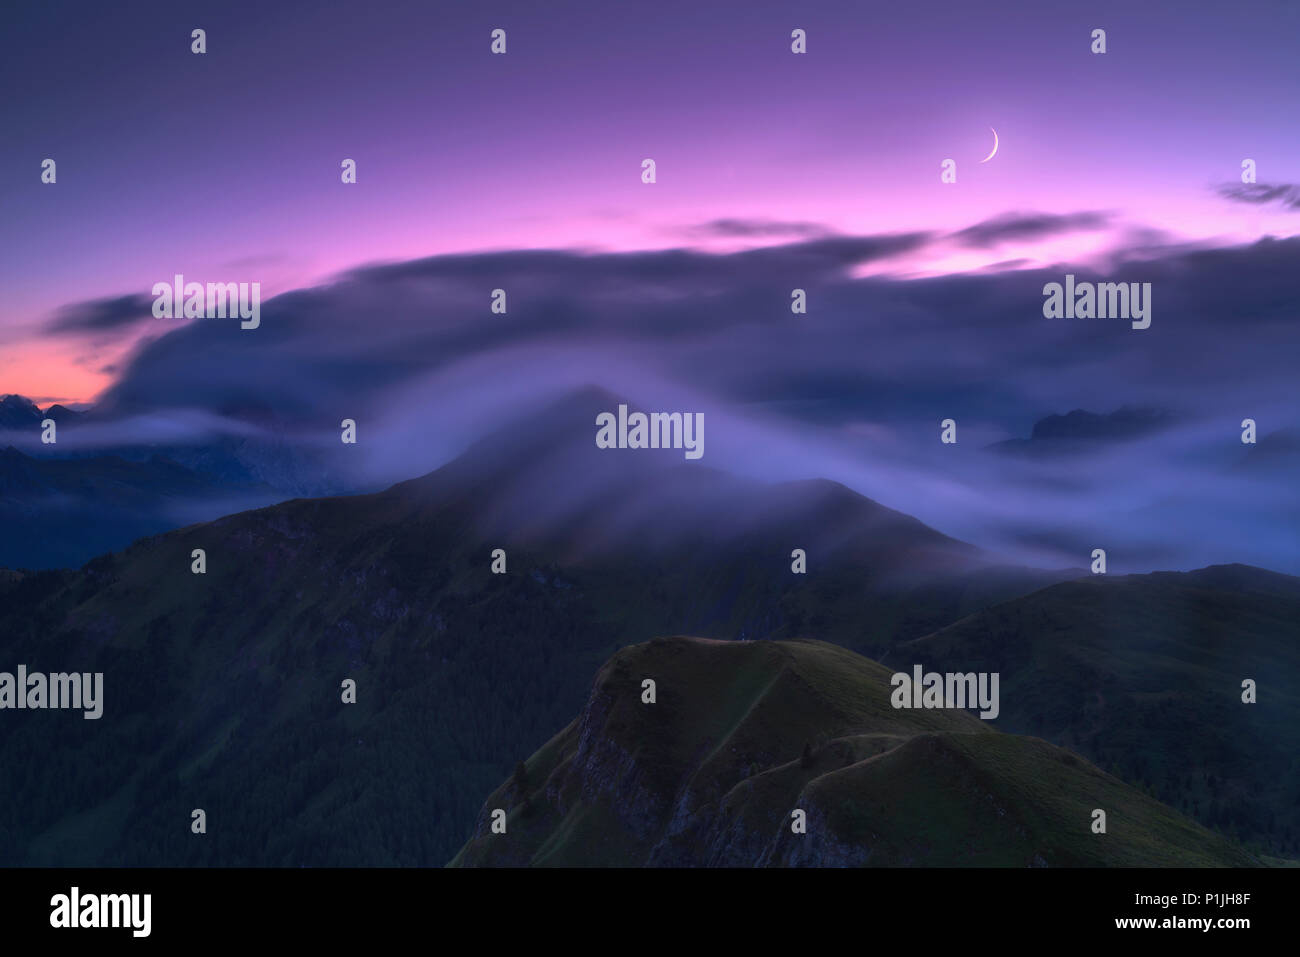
(1004, 800)
(709, 774)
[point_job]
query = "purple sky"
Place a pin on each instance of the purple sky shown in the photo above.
(774, 170)
(226, 166)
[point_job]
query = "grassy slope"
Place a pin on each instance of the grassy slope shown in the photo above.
(1142, 674)
(710, 773)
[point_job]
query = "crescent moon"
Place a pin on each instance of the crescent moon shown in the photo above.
(995, 147)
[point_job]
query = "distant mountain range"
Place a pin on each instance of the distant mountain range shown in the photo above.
(80, 503)
(222, 690)
(65, 503)
(20, 413)
(61, 512)
(1081, 431)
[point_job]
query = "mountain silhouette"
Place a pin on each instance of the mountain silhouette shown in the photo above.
(1081, 431)
(19, 413)
(223, 688)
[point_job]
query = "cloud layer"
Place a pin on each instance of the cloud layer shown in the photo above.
(854, 390)
(1286, 195)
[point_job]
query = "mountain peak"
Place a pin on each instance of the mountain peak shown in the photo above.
(18, 412)
(1123, 423)
(1080, 430)
(61, 413)
(13, 400)
(543, 481)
